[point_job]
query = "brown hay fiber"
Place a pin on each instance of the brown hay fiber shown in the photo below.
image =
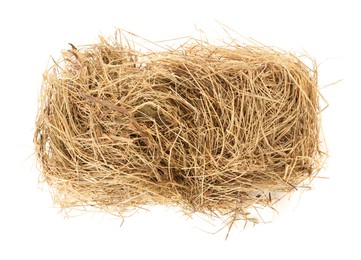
(210, 129)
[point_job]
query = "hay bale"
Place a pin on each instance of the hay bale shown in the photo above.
(210, 129)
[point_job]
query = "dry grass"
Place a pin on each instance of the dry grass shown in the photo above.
(209, 129)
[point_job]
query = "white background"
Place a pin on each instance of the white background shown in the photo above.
(321, 224)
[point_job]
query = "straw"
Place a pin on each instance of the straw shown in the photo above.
(209, 129)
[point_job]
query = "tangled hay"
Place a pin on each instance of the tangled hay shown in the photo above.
(210, 129)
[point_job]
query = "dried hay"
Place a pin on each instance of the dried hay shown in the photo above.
(209, 129)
